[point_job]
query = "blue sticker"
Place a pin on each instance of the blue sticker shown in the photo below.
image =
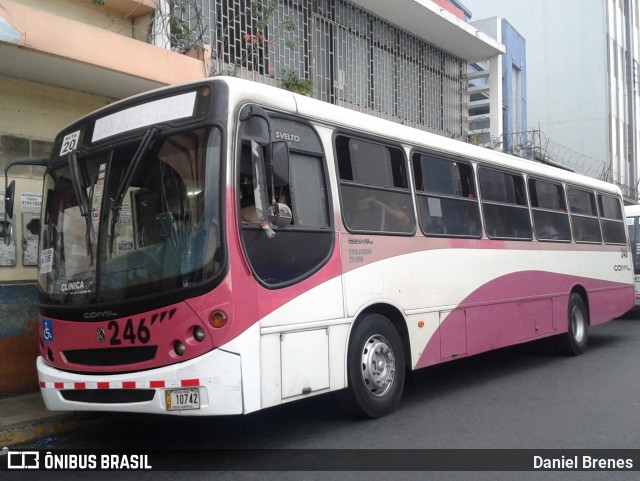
(47, 330)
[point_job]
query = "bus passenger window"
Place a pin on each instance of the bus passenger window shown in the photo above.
(550, 217)
(504, 204)
(374, 188)
(446, 197)
(611, 220)
(584, 216)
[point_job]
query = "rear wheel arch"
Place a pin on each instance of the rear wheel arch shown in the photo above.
(573, 342)
(582, 292)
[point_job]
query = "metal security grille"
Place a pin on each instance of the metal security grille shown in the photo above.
(352, 58)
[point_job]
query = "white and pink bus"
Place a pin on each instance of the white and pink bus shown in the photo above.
(223, 246)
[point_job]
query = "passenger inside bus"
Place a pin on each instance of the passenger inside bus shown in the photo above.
(248, 211)
(372, 213)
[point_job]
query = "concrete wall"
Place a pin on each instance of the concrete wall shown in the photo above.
(31, 114)
(130, 18)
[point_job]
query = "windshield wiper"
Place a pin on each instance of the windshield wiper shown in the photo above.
(132, 169)
(81, 197)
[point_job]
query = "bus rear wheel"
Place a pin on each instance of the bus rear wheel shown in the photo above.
(574, 341)
(375, 367)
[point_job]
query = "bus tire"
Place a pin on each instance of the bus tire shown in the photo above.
(375, 367)
(574, 341)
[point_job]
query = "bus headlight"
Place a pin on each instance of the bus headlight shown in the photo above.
(198, 333)
(179, 348)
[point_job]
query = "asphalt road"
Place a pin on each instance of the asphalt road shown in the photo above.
(523, 397)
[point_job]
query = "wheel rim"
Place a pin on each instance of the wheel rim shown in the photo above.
(577, 324)
(378, 365)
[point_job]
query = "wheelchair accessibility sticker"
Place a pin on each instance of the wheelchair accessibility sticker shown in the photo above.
(47, 330)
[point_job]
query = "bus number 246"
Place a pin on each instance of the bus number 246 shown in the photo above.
(140, 334)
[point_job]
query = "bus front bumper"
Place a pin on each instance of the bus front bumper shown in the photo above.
(209, 385)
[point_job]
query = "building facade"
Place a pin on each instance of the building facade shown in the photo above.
(582, 59)
(497, 103)
(60, 59)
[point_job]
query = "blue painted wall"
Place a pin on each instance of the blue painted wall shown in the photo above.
(515, 56)
(19, 338)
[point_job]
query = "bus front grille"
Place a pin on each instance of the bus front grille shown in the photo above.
(111, 356)
(108, 396)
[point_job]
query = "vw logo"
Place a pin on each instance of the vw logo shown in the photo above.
(100, 335)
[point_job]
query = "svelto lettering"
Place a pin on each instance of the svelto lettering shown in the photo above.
(288, 137)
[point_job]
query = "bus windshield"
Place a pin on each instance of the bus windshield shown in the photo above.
(137, 219)
(633, 226)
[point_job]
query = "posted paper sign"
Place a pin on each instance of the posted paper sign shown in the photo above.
(30, 201)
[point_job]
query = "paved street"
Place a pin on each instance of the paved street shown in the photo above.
(521, 397)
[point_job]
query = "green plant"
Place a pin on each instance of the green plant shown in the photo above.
(186, 30)
(290, 81)
(252, 39)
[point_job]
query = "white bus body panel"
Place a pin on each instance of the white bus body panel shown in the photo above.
(303, 345)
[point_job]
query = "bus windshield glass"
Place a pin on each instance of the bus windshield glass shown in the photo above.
(633, 226)
(137, 219)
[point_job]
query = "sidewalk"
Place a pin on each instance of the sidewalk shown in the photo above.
(24, 420)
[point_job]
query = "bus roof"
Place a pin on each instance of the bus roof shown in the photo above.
(243, 91)
(341, 117)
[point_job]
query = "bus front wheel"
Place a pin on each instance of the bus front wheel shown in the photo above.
(574, 341)
(375, 367)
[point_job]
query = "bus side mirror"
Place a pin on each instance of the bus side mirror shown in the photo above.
(255, 125)
(8, 199)
(7, 228)
(280, 163)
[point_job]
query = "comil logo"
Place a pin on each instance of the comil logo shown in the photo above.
(22, 459)
(99, 314)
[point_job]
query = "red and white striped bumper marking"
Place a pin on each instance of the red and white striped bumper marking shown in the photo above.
(126, 384)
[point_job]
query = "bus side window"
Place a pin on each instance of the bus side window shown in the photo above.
(550, 217)
(611, 220)
(302, 247)
(446, 197)
(584, 216)
(504, 204)
(374, 189)
(248, 213)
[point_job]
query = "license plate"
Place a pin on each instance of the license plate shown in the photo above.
(182, 399)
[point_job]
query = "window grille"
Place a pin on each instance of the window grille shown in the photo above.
(352, 58)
